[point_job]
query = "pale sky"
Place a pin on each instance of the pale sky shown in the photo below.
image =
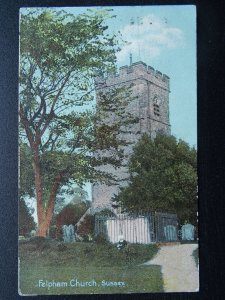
(166, 40)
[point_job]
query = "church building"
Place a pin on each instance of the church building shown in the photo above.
(150, 90)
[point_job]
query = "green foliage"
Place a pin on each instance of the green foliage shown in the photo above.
(105, 212)
(77, 42)
(26, 220)
(59, 57)
(163, 177)
(79, 195)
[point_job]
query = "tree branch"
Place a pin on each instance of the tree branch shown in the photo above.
(42, 106)
(51, 114)
(43, 113)
(26, 125)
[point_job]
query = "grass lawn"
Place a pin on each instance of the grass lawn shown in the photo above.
(101, 269)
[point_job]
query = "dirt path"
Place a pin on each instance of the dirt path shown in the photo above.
(179, 270)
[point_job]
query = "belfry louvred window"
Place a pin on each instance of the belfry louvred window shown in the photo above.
(156, 106)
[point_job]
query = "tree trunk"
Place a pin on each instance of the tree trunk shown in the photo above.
(43, 227)
(42, 230)
(39, 193)
(44, 216)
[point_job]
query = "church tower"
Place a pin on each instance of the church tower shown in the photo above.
(150, 89)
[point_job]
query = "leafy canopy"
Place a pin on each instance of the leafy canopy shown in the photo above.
(60, 54)
(163, 177)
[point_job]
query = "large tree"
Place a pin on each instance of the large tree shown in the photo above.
(60, 54)
(163, 178)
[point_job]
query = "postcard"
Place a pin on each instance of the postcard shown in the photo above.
(108, 150)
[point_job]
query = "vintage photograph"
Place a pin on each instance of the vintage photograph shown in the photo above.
(108, 195)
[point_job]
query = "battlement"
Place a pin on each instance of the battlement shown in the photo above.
(137, 70)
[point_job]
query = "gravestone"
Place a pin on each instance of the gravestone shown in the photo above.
(170, 233)
(68, 233)
(187, 232)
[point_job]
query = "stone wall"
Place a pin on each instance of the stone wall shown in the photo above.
(150, 89)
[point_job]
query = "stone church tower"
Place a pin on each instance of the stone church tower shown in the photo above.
(150, 88)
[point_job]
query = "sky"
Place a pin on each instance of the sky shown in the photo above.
(163, 37)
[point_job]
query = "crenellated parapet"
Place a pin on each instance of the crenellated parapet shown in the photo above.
(138, 70)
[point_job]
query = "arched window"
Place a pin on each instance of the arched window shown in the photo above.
(156, 103)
